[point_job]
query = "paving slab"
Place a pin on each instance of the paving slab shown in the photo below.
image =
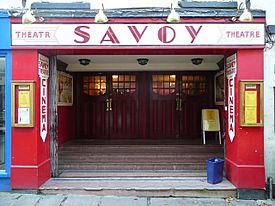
(81, 200)
(26, 199)
(6, 199)
(51, 200)
(123, 201)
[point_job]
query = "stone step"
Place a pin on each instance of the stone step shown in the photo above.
(147, 187)
(137, 155)
(132, 166)
(140, 148)
(148, 160)
(133, 174)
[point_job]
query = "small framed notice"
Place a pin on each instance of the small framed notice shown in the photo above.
(251, 111)
(65, 89)
(22, 104)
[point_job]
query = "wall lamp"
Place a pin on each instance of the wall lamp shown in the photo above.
(100, 17)
(197, 61)
(246, 15)
(28, 18)
(142, 61)
(84, 62)
(173, 16)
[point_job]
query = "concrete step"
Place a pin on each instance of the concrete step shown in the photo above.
(147, 187)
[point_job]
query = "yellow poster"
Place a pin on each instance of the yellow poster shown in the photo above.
(24, 99)
(250, 110)
(210, 115)
(210, 120)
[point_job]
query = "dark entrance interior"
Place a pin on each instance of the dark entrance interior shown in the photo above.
(136, 123)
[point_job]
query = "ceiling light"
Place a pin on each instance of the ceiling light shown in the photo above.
(28, 18)
(142, 61)
(196, 61)
(84, 62)
(100, 16)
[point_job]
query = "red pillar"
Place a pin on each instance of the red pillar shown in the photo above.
(245, 155)
(30, 166)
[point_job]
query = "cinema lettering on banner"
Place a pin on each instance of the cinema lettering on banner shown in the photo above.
(231, 71)
(43, 72)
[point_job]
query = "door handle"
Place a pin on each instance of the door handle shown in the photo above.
(107, 105)
(110, 104)
(180, 104)
(177, 104)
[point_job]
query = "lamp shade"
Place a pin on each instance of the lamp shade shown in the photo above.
(246, 16)
(101, 17)
(28, 18)
(173, 16)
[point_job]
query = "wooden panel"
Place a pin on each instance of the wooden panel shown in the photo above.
(163, 118)
(123, 118)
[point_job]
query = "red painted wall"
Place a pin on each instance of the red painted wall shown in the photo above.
(30, 165)
(66, 124)
(245, 155)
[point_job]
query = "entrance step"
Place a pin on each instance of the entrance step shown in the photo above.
(84, 156)
(141, 186)
(132, 174)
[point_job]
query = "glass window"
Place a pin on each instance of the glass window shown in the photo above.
(94, 85)
(123, 84)
(193, 85)
(164, 84)
(2, 113)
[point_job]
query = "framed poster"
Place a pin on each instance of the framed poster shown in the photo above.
(22, 103)
(65, 89)
(251, 111)
(219, 88)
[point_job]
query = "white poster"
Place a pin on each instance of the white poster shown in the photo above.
(24, 116)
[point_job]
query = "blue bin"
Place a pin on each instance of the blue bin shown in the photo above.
(214, 170)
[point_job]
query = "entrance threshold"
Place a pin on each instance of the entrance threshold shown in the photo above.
(142, 187)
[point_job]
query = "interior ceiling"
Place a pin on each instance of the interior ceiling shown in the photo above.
(129, 63)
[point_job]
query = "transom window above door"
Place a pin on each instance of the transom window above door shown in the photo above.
(94, 85)
(123, 84)
(164, 84)
(193, 85)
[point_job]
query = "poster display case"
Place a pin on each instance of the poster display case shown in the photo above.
(251, 111)
(22, 103)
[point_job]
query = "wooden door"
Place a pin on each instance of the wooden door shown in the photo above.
(95, 119)
(164, 121)
(195, 94)
(124, 106)
(109, 106)
(176, 100)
